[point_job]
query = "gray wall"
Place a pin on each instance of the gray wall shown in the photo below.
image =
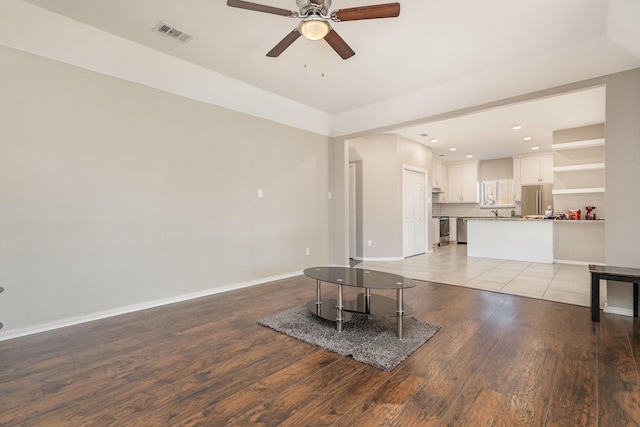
(339, 206)
(496, 169)
(115, 196)
(381, 159)
(622, 175)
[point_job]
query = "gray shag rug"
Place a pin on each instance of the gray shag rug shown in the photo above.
(369, 340)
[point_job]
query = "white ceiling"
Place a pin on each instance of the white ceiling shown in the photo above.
(533, 43)
(490, 135)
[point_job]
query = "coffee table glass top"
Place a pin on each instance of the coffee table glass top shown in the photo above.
(359, 278)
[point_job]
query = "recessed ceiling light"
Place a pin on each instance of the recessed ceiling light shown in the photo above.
(527, 138)
(516, 127)
(535, 148)
(433, 141)
(468, 156)
(452, 149)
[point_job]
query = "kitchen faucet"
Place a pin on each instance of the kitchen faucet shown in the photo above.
(495, 213)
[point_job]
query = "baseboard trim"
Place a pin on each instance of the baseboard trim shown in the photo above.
(44, 327)
(572, 262)
(618, 310)
(382, 259)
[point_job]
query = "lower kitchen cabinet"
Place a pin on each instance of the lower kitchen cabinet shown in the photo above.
(453, 230)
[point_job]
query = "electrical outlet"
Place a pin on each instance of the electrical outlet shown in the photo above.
(308, 251)
(369, 243)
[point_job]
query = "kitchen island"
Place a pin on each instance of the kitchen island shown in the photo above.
(515, 239)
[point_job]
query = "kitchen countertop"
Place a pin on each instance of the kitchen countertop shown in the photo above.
(580, 221)
(502, 219)
(576, 221)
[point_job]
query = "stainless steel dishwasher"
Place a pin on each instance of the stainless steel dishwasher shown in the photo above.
(461, 229)
(444, 231)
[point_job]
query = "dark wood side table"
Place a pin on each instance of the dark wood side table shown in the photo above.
(619, 274)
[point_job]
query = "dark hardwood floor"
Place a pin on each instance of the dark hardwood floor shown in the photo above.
(498, 360)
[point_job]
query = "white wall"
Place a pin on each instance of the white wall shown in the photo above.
(116, 196)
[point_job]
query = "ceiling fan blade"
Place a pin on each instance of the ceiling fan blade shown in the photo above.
(284, 43)
(339, 45)
(388, 10)
(261, 8)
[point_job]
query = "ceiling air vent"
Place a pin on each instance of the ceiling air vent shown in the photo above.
(172, 32)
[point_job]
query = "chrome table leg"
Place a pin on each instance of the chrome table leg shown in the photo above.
(318, 300)
(367, 301)
(399, 312)
(339, 307)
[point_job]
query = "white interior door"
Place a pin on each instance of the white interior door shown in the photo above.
(414, 212)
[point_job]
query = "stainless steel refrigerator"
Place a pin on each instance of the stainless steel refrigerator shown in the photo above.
(536, 198)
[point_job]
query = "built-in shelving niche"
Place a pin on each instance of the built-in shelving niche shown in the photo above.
(579, 181)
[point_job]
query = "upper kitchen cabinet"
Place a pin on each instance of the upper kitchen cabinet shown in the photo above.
(517, 185)
(463, 182)
(536, 169)
(439, 176)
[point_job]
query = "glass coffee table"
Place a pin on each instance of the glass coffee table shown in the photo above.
(340, 310)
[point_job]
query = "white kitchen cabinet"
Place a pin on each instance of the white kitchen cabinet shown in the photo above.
(517, 186)
(546, 168)
(439, 176)
(536, 169)
(463, 182)
(435, 231)
(439, 197)
(453, 230)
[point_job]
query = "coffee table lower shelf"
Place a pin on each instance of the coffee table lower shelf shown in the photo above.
(378, 305)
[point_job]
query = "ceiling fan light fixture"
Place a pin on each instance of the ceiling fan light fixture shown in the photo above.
(314, 28)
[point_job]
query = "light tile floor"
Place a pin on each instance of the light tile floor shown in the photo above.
(450, 264)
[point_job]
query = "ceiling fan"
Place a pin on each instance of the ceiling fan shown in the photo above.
(314, 24)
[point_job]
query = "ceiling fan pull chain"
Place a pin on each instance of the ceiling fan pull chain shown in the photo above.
(322, 59)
